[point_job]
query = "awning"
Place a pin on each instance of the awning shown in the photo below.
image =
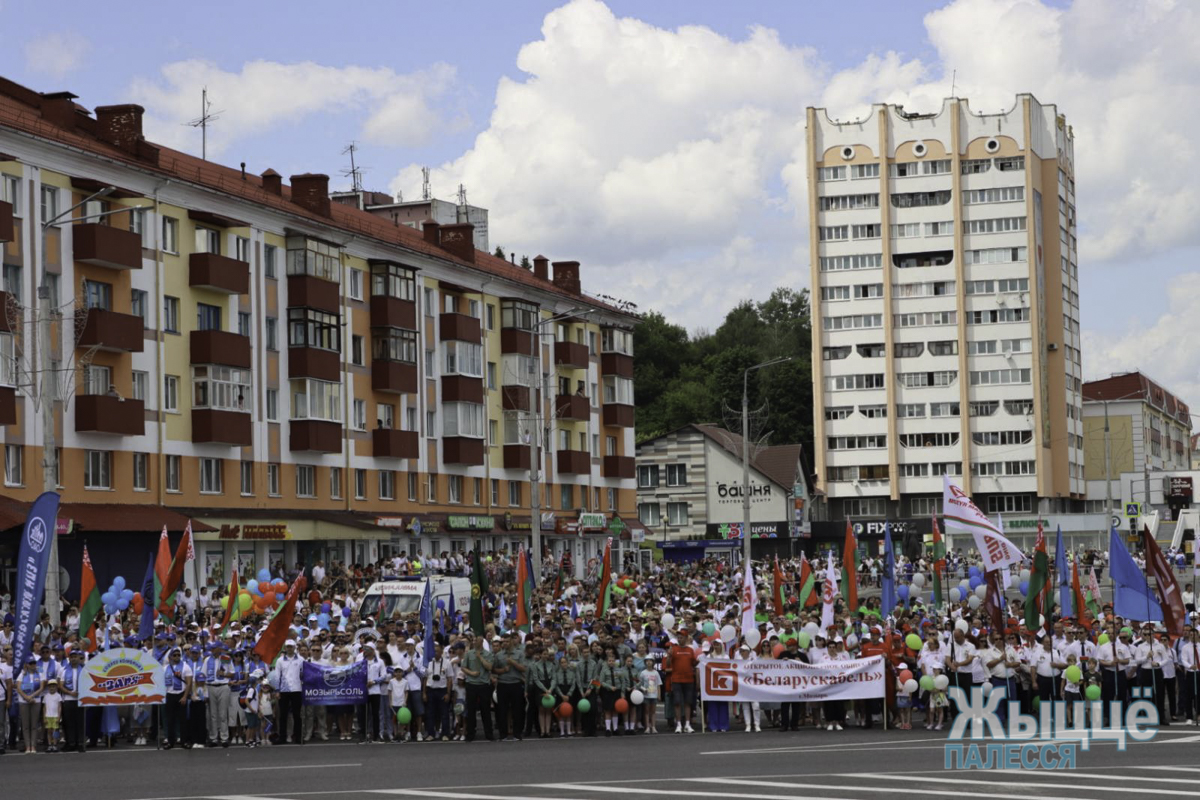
(251, 525)
(121, 517)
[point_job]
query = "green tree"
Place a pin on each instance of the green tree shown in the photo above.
(499, 252)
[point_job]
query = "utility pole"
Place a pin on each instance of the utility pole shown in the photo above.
(746, 452)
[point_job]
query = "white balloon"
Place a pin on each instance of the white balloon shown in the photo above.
(1041, 621)
(981, 591)
(636, 697)
(752, 637)
(965, 584)
(974, 602)
(911, 686)
(955, 595)
(987, 689)
(918, 580)
(941, 682)
(668, 621)
(961, 625)
(812, 628)
(728, 633)
(851, 641)
(1024, 574)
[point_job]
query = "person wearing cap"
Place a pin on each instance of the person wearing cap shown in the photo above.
(587, 677)
(477, 667)
(291, 691)
(682, 662)
(751, 712)
(217, 669)
(197, 717)
(437, 694)
(1150, 655)
(791, 714)
(52, 715)
(1045, 664)
(510, 668)
(29, 688)
(178, 678)
(73, 714)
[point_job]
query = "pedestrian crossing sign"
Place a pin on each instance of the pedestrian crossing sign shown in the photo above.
(1133, 509)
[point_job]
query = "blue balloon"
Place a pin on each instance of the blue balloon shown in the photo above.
(346, 612)
(108, 598)
(326, 607)
(264, 575)
(1024, 587)
(976, 581)
(440, 604)
(122, 604)
(127, 594)
(252, 586)
(109, 608)
(902, 591)
(118, 583)
(973, 572)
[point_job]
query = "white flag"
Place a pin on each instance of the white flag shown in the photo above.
(1006, 573)
(749, 596)
(964, 516)
(829, 592)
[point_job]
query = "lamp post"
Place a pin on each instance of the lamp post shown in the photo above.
(746, 451)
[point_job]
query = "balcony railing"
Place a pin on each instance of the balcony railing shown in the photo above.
(218, 273)
(106, 246)
(101, 413)
(112, 330)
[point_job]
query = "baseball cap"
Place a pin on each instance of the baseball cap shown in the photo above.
(290, 643)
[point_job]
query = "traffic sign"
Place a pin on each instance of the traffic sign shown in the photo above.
(1133, 509)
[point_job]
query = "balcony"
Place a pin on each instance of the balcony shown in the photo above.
(616, 364)
(4, 326)
(106, 246)
(100, 413)
(216, 426)
(8, 405)
(570, 354)
(461, 389)
(463, 451)
(315, 435)
(460, 327)
(392, 312)
(111, 330)
(571, 406)
(220, 347)
(313, 362)
(573, 462)
(391, 443)
(397, 377)
(6, 222)
(516, 456)
(618, 416)
(305, 290)
(619, 467)
(218, 273)
(515, 398)
(515, 340)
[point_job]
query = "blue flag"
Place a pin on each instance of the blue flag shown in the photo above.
(529, 568)
(32, 561)
(1066, 594)
(1132, 598)
(574, 610)
(146, 628)
(453, 613)
(427, 620)
(888, 599)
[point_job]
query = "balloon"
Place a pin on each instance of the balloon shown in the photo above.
(1074, 674)
(225, 601)
(564, 710)
(710, 628)
(728, 633)
(108, 598)
(244, 602)
(138, 604)
(777, 650)
(981, 592)
(416, 565)
(122, 603)
(636, 697)
(812, 628)
(918, 580)
(926, 683)
(961, 625)
(905, 676)
(127, 594)
(911, 686)
(314, 597)
(964, 584)
(1023, 588)
(547, 701)
(1024, 576)
(1092, 692)
(668, 621)
(851, 642)
(109, 609)
(1037, 702)
(1041, 621)
(252, 586)
(955, 595)
(752, 637)
(584, 706)
(621, 706)
(403, 716)
(975, 582)
(941, 682)
(118, 583)
(974, 602)
(913, 641)
(804, 639)
(973, 572)
(264, 575)
(1102, 639)
(326, 606)
(459, 708)
(346, 613)
(902, 591)
(269, 599)
(987, 689)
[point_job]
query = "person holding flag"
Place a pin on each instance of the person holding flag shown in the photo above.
(850, 569)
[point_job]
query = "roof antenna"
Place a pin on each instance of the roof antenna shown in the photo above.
(426, 194)
(462, 203)
(355, 172)
(953, 81)
(202, 121)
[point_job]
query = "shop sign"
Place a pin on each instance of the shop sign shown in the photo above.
(618, 526)
(511, 524)
(591, 521)
(460, 522)
(637, 535)
(63, 526)
(427, 525)
(1179, 489)
(758, 530)
(390, 522)
(249, 533)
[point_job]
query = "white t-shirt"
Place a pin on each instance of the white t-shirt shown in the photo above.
(52, 704)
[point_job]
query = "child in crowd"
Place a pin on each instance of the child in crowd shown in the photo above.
(253, 706)
(52, 709)
(650, 682)
(266, 709)
(904, 703)
(1072, 693)
(938, 702)
(397, 694)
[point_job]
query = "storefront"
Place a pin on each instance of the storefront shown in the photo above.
(683, 552)
(908, 536)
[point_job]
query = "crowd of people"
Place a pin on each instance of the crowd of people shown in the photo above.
(572, 671)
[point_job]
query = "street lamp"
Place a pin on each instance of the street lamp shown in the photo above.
(746, 451)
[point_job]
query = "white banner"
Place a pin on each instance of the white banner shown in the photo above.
(781, 681)
(122, 676)
(963, 515)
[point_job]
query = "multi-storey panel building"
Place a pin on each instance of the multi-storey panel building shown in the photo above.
(946, 321)
(294, 374)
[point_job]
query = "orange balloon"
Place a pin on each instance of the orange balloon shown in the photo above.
(905, 676)
(564, 711)
(777, 651)
(621, 705)
(269, 599)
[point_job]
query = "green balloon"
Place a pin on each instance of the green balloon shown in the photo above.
(1037, 703)
(584, 706)
(1103, 639)
(1128, 630)
(710, 628)
(1074, 674)
(547, 701)
(926, 682)
(913, 641)
(805, 640)
(404, 716)
(1092, 692)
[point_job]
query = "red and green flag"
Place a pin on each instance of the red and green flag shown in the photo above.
(162, 568)
(1039, 582)
(939, 563)
(184, 553)
(278, 627)
(850, 569)
(524, 592)
(808, 596)
(1081, 604)
(604, 598)
(560, 578)
(1093, 594)
(232, 611)
(89, 602)
(778, 596)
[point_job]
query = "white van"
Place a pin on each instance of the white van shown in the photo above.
(402, 596)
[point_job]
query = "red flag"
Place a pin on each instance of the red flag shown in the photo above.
(1168, 588)
(231, 606)
(1044, 604)
(522, 592)
(809, 596)
(271, 642)
(175, 574)
(162, 567)
(850, 569)
(993, 600)
(604, 598)
(1081, 609)
(89, 602)
(777, 588)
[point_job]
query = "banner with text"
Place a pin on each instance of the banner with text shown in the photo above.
(779, 681)
(331, 686)
(123, 676)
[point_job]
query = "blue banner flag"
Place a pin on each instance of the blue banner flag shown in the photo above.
(427, 620)
(334, 686)
(888, 599)
(1066, 594)
(453, 613)
(146, 628)
(1131, 594)
(32, 561)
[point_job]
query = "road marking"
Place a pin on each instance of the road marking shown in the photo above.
(1029, 784)
(297, 766)
(587, 787)
(888, 789)
(456, 795)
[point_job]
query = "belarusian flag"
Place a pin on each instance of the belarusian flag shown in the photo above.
(524, 593)
(1039, 579)
(777, 593)
(232, 611)
(604, 599)
(89, 602)
(808, 583)
(850, 570)
(1081, 608)
(271, 642)
(939, 563)
(183, 554)
(162, 568)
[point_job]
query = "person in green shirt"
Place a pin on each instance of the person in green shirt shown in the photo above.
(542, 678)
(566, 686)
(477, 667)
(511, 668)
(610, 691)
(587, 675)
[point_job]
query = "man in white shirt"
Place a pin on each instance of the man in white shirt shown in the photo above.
(377, 679)
(1150, 655)
(1114, 658)
(291, 691)
(960, 662)
(218, 668)
(318, 573)
(1045, 662)
(1189, 674)
(178, 679)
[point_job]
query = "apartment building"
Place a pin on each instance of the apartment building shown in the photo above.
(945, 341)
(299, 377)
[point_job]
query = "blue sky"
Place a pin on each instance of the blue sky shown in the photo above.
(659, 143)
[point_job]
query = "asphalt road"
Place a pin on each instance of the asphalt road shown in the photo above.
(809, 764)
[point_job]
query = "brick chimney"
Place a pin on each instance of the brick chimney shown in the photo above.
(58, 108)
(429, 229)
(541, 267)
(311, 191)
(566, 276)
(120, 125)
(272, 182)
(458, 239)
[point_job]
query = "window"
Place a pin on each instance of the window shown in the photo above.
(677, 513)
(523, 371)
(921, 199)
(311, 327)
(171, 393)
(863, 507)
(835, 353)
(449, 303)
(97, 470)
(1001, 437)
(241, 248)
(410, 419)
(306, 480)
(490, 317)
(14, 456)
(271, 330)
(869, 231)
(998, 315)
(848, 382)
(96, 379)
(856, 442)
(314, 399)
(412, 487)
(999, 376)
(514, 493)
(12, 280)
(95, 294)
(936, 167)
(871, 350)
(208, 318)
(648, 513)
(393, 280)
(477, 493)
(385, 416)
(925, 506)
(491, 375)
(174, 477)
(243, 323)
(455, 484)
(51, 281)
(394, 344)
(647, 476)
(909, 349)
(49, 204)
(910, 410)
(925, 319)
(463, 419)
(566, 497)
(170, 234)
(839, 263)
(920, 380)
(861, 171)
(829, 293)
(224, 388)
(246, 470)
(943, 409)
(430, 423)
(904, 169)
(945, 228)
(493, 433)
(677, 475)
(831, 174)
(272, 405)
(141, 469)
(360, 484)
(915, 470)
(210, 475)
(473, 308)
(462, 358)
(10, 192)
(618, 390)
(387, 484)
(865, 291)
(906, 230)
(976, 166)
(997, 225)
(355, 290)
(833, 233)
(946, 468)
(270, 261)
(843, 202)
(273, 480)
(356, 350)
(947, 347)
(314, 258)
(141, 381)
(171, 314)
(613, 340)
(495, 492)
(1005, 194)
(138, 306)
(873, 412)
(928, 439)
(853, 322)
(995, 255)
(924, 289)
(1009, 503)
(358, 415)
(1019, 407)
(984, 408)
(1010, 164)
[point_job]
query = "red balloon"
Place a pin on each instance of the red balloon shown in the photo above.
(269, 599)
(777, 651)
(905, 676)
(314, 597)
(564, 711)
(137, 604)
(622, 705)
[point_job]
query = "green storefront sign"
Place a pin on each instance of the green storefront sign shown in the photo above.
(460, 522)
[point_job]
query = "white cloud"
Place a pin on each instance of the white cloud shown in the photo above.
(397, 110)
(56, 54)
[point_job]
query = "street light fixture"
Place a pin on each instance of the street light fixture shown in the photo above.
(746, 451)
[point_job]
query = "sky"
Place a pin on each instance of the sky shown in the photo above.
(661, 143)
